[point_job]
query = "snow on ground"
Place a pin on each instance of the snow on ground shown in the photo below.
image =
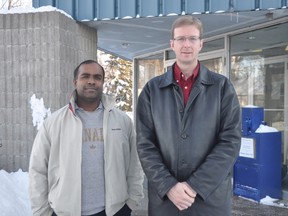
(14, 198)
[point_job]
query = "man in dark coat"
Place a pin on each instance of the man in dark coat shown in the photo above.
(188, 132)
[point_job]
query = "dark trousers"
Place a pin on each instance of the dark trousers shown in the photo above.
(124, 211)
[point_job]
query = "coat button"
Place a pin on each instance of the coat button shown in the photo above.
(184, 136)
(183, 163)
(181, 110)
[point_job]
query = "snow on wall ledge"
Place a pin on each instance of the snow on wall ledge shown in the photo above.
(21, 10)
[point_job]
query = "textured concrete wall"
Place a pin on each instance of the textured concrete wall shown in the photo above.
(38, 53)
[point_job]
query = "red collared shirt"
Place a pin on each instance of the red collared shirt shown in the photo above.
(185, 85)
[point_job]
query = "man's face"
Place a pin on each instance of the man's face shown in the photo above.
(89, 83)
(186, 43)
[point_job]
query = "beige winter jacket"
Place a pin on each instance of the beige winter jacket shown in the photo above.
(55, 163)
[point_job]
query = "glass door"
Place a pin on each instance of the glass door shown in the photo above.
(263, 82)
(214, 64)
(276, 97)
(214, 61)
(274, 94)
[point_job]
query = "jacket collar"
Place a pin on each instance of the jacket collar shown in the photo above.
(107, 101)
(203, 77)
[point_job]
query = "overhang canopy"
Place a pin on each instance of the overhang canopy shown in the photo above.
(129, 28)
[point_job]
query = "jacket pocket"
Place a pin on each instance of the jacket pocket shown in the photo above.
(53, 193)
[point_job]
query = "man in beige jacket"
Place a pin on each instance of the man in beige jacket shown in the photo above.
(84, 159)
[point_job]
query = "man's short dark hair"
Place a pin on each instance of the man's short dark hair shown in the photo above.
(76, 71)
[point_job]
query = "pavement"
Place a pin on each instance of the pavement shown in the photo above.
(241, 206)
(244, 207)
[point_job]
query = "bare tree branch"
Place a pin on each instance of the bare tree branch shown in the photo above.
(11, 4)
(3, 4)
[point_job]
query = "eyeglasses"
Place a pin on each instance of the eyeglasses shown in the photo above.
(182, 39)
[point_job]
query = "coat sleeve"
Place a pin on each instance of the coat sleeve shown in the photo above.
(38, 177)
(152, 162)
(135, 175)
(218, 164)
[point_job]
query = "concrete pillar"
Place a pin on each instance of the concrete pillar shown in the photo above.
(38, 54)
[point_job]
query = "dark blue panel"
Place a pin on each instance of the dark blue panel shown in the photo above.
(126, 8)
(240, 5)
(105, 9)
(66, 6)
(40, 3)
(101, 9)
(148, 8)
(265, 4)
(84, 9)
(192, 6)
(222, 5)
(171, 6)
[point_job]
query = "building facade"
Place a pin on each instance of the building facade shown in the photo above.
(256, 61)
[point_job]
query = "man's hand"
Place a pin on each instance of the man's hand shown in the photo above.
(182, 195)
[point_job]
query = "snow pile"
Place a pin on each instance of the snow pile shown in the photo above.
(265, 129)
(39, 112)
(14, 198)
(272, 202)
